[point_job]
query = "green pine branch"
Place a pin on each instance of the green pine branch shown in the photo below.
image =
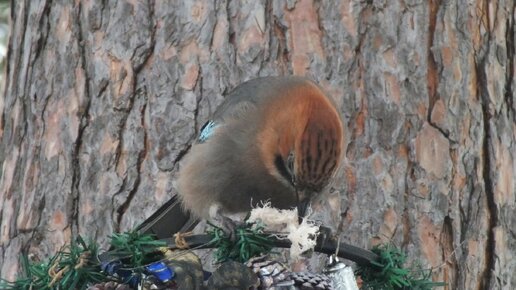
(75, 266)
(390, 273)
(139, 247)
(249, 241)
(72, 267)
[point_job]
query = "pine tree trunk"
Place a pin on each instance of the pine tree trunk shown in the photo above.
(103, 99)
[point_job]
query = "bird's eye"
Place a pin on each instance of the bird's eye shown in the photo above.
(290, 162)
(286, 167)
(290, 166)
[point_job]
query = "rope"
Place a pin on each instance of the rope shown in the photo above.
(181, 241)
(83, 259)
(56, 276)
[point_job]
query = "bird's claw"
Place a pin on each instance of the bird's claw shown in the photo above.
(229, 226)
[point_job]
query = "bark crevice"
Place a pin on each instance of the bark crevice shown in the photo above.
(432, 72)
(487, 169)
(137, 178)
(137, 93)
(509, 44)
(491, 205)
(83, 123)
(448, 253)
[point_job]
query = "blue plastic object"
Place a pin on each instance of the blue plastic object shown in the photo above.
(110, 267)
(161, 271)
(114, 268)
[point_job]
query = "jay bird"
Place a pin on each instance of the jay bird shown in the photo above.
(276, 139)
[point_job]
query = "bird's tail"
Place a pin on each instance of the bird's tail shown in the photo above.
(168, 220)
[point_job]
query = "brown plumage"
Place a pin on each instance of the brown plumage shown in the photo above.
(276, 138)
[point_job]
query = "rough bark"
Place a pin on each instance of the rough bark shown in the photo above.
(103, 99)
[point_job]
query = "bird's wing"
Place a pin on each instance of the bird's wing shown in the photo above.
(168, 220)
(242, 103)
(235, 106)
(249, 95)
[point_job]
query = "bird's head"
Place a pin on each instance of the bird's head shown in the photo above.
(307, 142)
(317, 152)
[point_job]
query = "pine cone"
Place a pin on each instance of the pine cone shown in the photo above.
(109, 286)
(309, 281)
(271, 273)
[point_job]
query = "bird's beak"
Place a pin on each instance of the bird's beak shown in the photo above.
(302, 207)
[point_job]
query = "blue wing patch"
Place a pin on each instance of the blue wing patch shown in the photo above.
(206, 131)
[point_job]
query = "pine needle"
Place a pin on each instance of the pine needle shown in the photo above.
(250, 241)
(389, 272)
(70, 268)
(137, 246)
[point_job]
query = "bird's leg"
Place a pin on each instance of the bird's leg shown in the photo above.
(325, 235)
(227, 224)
